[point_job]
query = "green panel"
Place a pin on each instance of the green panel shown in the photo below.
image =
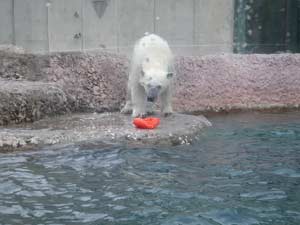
(267, 26)
(240, 26)
(298, 27)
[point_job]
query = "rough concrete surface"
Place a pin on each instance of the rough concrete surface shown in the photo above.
(97, 81)
(234, 82)
(191, 26)
(88, 82)
(113, 127)
(25, 101)
(35, 86)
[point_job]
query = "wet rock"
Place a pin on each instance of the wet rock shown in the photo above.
(176, 129)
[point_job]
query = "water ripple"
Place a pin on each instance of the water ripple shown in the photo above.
(244, 170)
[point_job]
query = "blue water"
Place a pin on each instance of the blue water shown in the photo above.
(244, 170)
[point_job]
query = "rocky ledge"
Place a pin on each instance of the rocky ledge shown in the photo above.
(84, 82)
(108, 127)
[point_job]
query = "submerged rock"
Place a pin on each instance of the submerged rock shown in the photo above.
(112, 127)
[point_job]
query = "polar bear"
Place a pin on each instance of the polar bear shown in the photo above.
(150, 76)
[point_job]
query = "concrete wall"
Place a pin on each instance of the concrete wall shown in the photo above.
(192, 27)
(6, 22)
(30, 24)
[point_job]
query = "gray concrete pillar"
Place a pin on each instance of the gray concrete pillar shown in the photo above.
(65, 25)
(6, 22)
(135, 18)
(100, 25)
(174, 21)
(214, 26)
(30, 23)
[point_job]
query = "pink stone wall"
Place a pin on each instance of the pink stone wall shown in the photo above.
(228, 82)
(97, 81)
(207, 83)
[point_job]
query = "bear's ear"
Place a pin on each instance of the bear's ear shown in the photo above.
(169, 75)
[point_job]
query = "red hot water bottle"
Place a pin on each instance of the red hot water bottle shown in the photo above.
(146, 123)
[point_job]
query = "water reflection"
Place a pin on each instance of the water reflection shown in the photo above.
(245, 170)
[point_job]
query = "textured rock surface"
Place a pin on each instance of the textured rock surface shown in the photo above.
(229, 82)
(35, 86)
(113, 127)
(85, 82)
(25, 101)
(96, 82)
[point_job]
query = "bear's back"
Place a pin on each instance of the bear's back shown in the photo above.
(153, 49)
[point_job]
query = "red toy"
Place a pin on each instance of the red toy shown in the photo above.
(147, 123)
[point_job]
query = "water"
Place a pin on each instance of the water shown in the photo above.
(245, 170)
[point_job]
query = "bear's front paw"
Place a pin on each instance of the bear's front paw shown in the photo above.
(127, 109)
(139, 114)
(166, 114)
(167, 111)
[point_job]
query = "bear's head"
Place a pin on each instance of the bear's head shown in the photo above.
(155, 82)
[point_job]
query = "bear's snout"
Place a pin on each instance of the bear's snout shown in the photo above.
(152, 94)
(150, 99)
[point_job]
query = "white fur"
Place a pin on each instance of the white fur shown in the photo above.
(152, 61)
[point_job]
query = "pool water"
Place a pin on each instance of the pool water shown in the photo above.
(244, 170)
